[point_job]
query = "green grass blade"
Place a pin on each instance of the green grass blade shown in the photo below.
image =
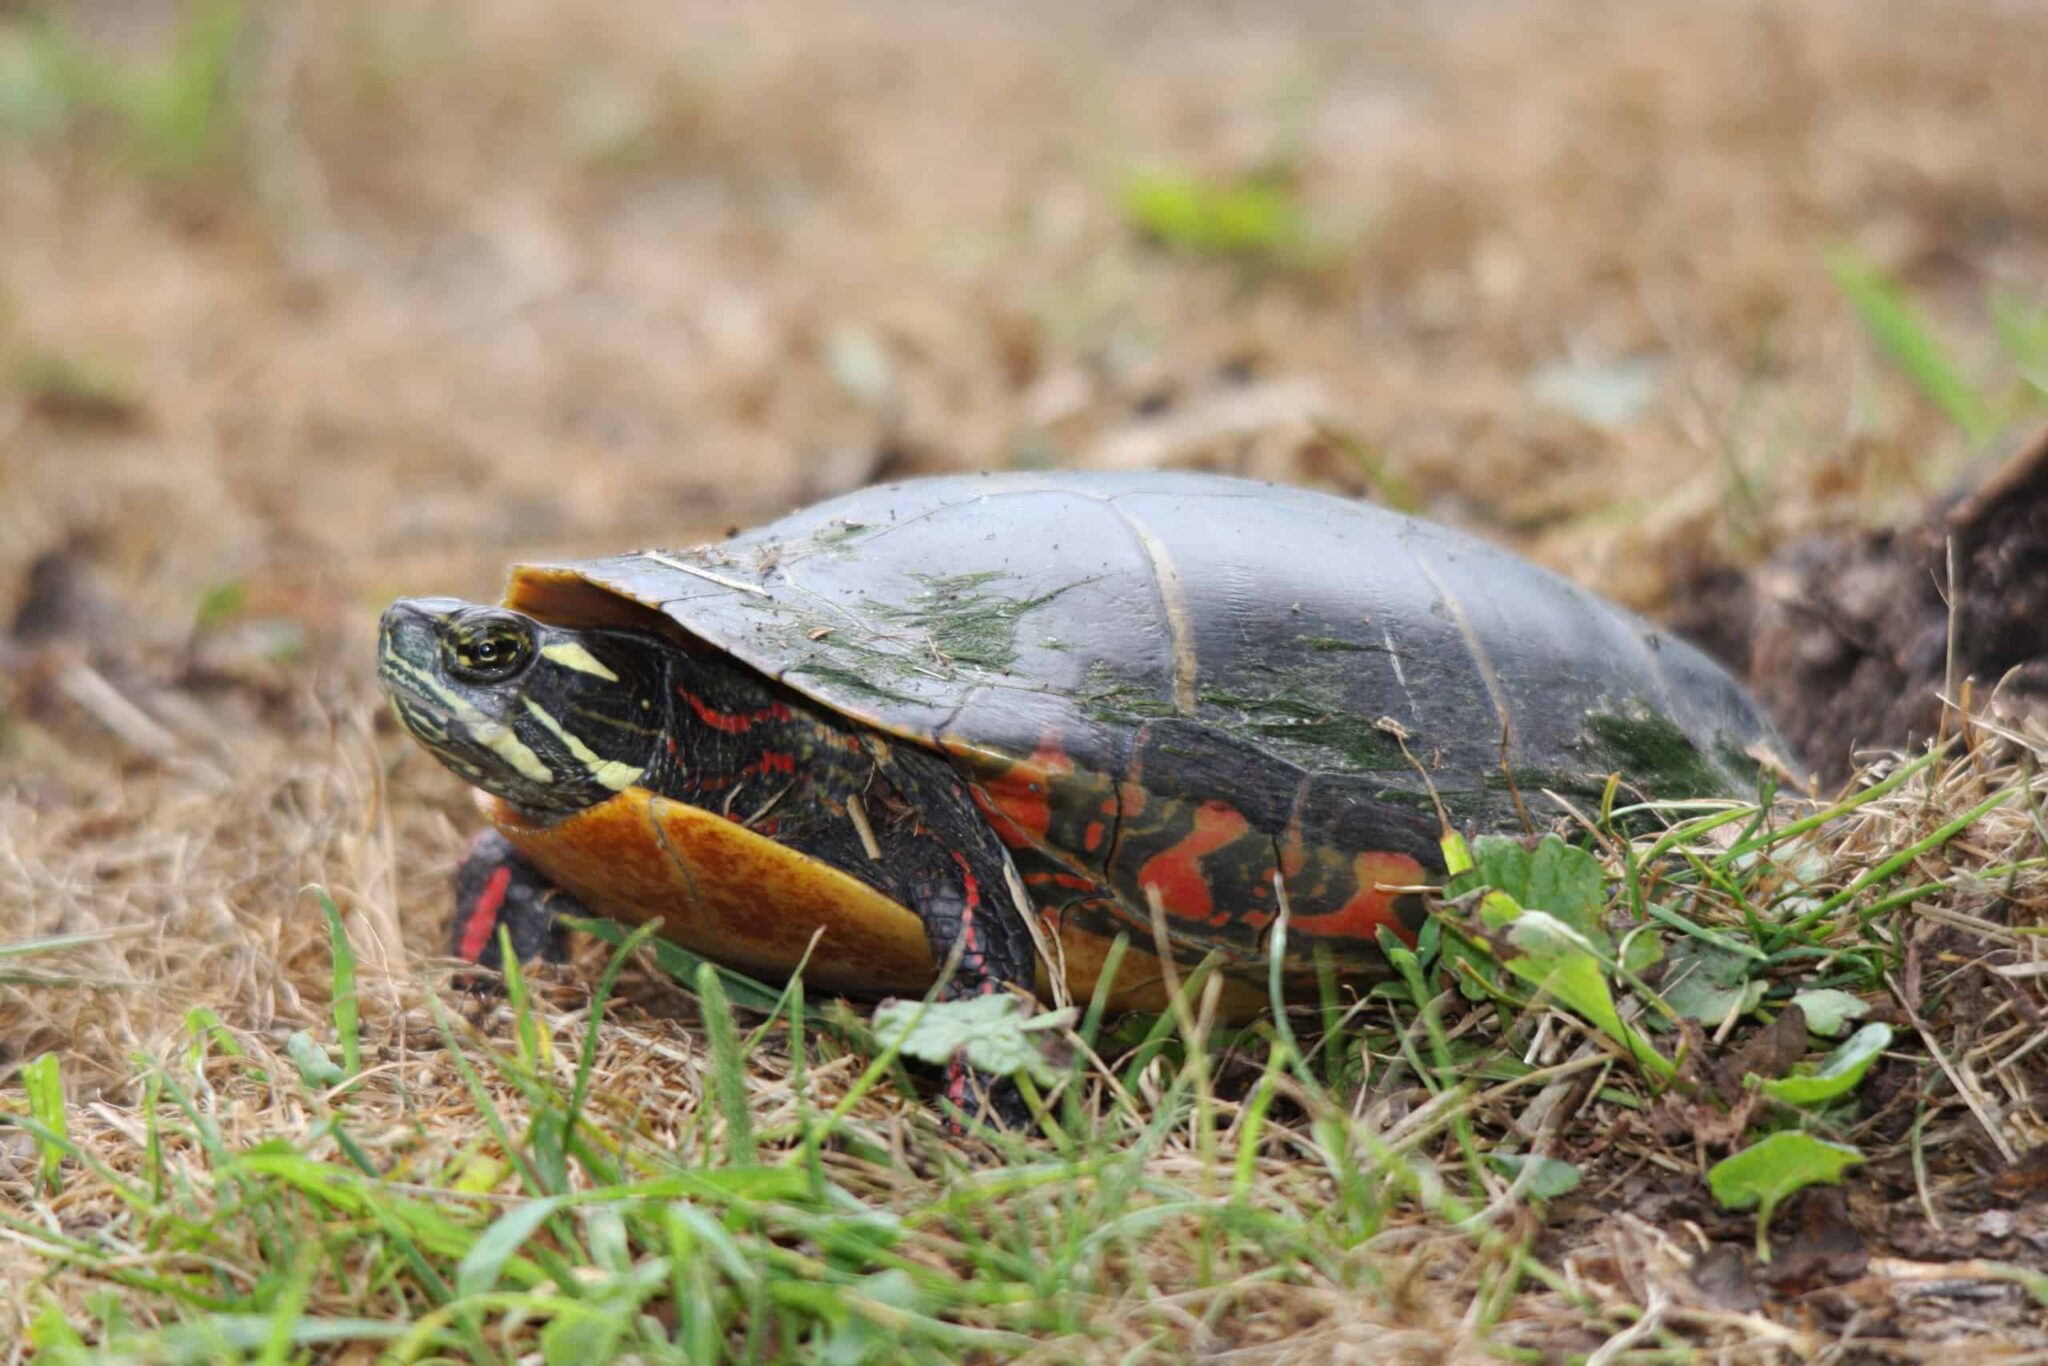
(347, 1021)
(1905, 336)
(728, 1066)
(485, 1261)
(45, 1086)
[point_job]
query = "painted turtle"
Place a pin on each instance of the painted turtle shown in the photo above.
(879, 716)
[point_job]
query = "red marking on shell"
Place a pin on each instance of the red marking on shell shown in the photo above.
(999, 821)
(1074, 882)
(1091, 838)
(1177, 872)
(1368, 908)
(1018, 801)
(773, 761)
(483, 917)
(1019, 792)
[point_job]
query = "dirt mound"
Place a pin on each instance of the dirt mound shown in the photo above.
(1850, 642)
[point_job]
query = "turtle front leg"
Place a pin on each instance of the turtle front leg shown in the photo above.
(495, 885)
(958, 886)
(955, 914)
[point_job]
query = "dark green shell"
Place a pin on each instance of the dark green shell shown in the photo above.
(1138, 649)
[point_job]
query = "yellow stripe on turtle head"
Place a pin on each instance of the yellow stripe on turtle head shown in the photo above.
(609, 772)
(570, 655)
(493, 735)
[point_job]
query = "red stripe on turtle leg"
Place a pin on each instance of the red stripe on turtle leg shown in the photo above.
(973, 961)
(483, 917)
(957, 1086)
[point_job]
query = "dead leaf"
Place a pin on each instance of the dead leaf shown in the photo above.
(1824, 1247)
(1767, 1053)
(1725, 1280)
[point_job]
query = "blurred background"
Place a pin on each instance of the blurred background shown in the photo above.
(303, 306)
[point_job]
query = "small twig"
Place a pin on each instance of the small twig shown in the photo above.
(106, 704)
(769, 805)
(1387, 725)
(1955, 1078)
(721, 580)
(1507, 773)
(1948, 673)
(1651, 1321)
(858, 811)
(1050, 951)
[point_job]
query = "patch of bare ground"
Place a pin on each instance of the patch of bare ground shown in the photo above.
(452, 284)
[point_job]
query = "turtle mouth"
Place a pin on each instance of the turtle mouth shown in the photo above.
(481, 733)
(460, 733)
(451, 739)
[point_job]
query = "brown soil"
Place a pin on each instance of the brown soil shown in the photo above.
(1851, 642)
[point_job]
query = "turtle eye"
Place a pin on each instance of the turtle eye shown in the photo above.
(489, 647)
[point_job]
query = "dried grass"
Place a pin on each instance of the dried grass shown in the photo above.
(478, 280)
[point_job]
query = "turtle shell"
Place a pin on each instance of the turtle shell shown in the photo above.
(1198, 688)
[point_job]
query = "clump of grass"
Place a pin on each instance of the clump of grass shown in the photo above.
(1252, 217)
(68, 388)
(1980, 410)
(169, 112)
(597, 1181)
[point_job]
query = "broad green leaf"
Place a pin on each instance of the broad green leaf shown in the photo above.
(1555, 958)
(1475, 971)
(1763, 1174)
(1839, 1074)
(1553, 877)
(1641, 950)
(995, 1031)
(1550, 1179)
(1703, 982)
(1828, 1011)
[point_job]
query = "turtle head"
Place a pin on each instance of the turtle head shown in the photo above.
(550, 718)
